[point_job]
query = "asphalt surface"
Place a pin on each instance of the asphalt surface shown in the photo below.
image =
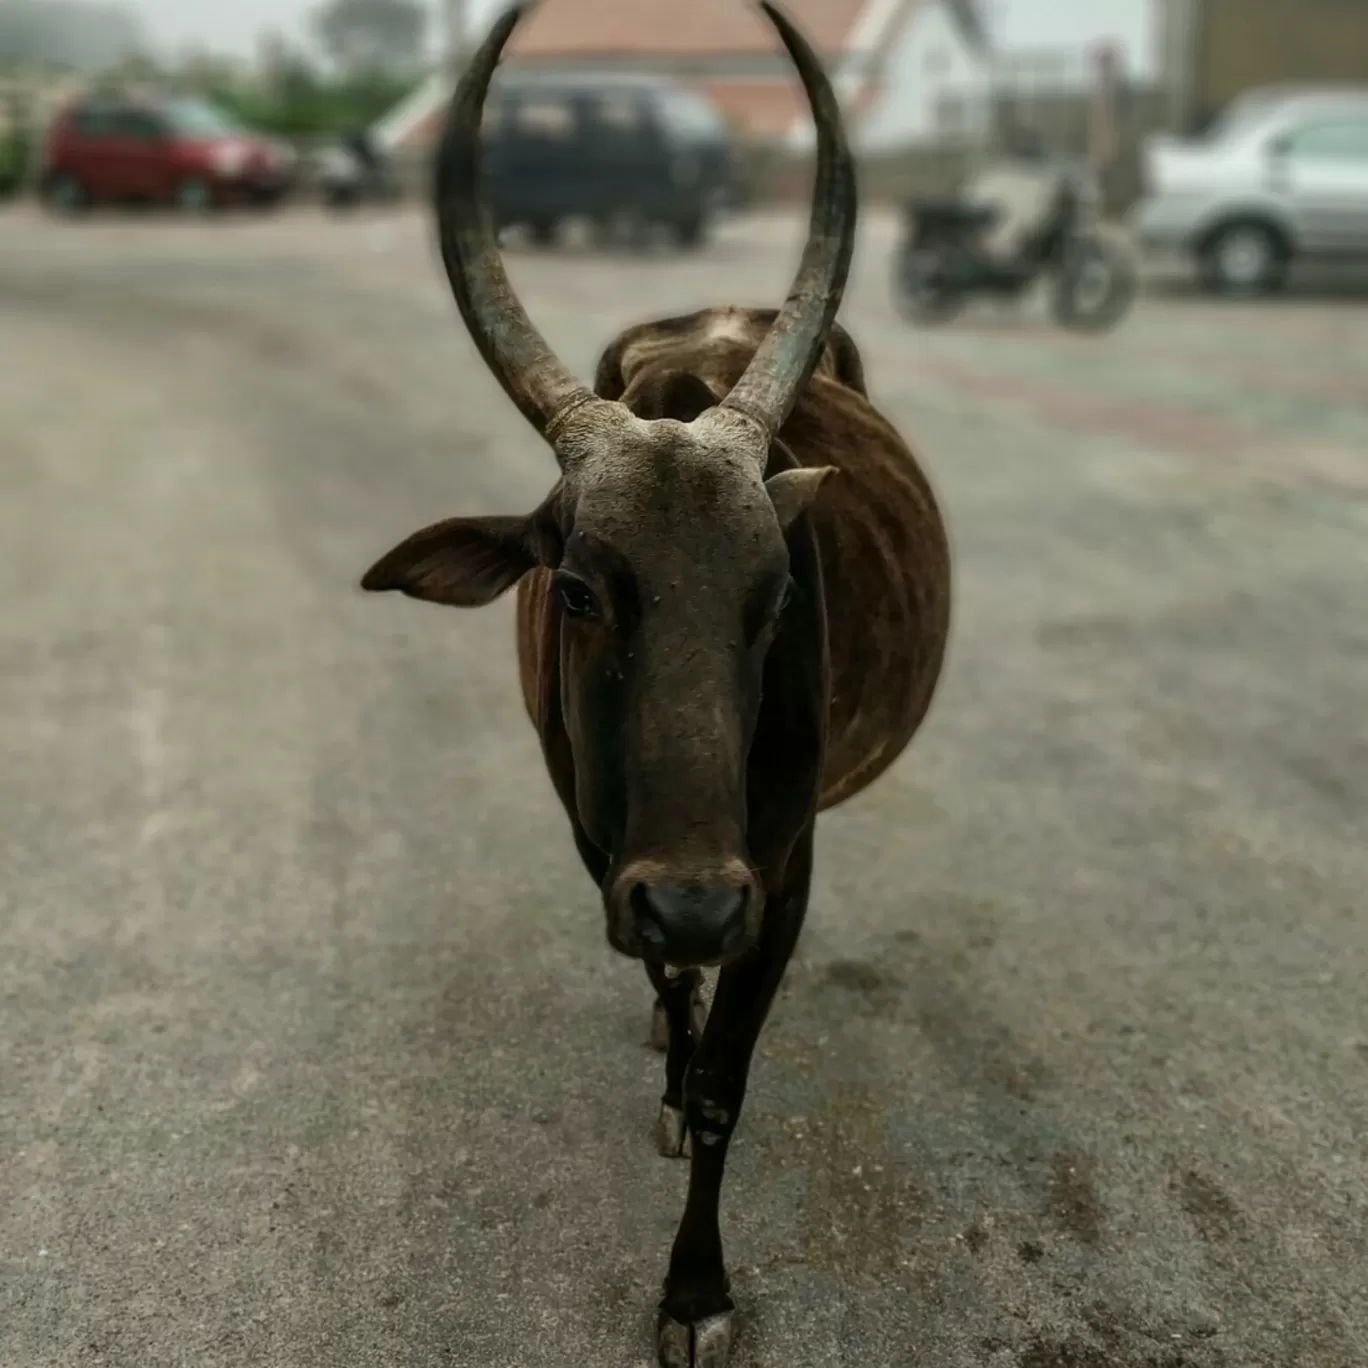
(311, 1048)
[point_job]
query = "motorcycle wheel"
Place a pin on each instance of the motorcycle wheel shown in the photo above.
(919, 295)
(1095, 287)
(340, 198)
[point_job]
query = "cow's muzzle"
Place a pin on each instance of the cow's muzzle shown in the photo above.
(686, 923)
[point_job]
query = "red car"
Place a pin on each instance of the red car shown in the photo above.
(180, 151)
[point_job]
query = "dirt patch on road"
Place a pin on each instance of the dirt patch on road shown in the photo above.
(1208, 1204)
(864, 980)
(861, 1205)
(1074, 1353)
(1071, 1197)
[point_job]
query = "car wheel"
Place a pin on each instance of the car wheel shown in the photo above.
(194, 195)
(64, 193)
(691, 232)
(544, 232)
(639, 230)
(627, 228)
(1244, 259)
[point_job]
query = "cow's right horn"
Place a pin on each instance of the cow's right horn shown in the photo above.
(533, 377)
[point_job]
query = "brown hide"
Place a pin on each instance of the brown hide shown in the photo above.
(883, 544)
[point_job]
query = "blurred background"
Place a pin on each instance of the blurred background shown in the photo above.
(929, 85)
(312, 1051)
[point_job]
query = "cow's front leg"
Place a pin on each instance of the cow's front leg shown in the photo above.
(676, 1027)
(695, 1322)
(660, 1013)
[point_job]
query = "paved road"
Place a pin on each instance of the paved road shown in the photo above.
(312, 1049)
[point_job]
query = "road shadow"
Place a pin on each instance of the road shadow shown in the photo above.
(1343, 286)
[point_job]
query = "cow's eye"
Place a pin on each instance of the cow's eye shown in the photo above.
(576, 596)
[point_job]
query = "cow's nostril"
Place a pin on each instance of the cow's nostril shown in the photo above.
(695, 924)
(734, 930)
(648, 924)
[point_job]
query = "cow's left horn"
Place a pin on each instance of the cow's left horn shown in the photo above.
(789, 354)
(531, 374)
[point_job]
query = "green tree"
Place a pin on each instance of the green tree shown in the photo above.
(293, 99)
(372, 35)
(71, 33)
(138, 68)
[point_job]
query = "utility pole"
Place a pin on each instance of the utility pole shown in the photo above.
(990, 18)
(455, 36)
(1104, 111)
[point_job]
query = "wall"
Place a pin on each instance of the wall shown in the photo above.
(32, 96)
(1063, 118)
(1176, 39)
(1028, 70)
(1245, 43)
(778, 176)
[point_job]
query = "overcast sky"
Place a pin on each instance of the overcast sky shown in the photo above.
(234, 24)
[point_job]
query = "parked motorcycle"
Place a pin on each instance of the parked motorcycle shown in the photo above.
(944, 259)
(355, 170)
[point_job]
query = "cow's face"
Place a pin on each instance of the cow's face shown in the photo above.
(670, 573)
(666, 542)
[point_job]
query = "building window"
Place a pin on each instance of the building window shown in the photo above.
(620, 112)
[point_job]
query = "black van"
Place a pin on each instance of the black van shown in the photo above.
(613, 149)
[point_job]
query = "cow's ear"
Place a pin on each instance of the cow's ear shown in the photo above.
(849, 363)
(463, 562)
(792, 491)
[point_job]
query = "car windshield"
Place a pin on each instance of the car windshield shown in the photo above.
(1254, 107)
(200, 119)
(1235, 117)
(693, 118)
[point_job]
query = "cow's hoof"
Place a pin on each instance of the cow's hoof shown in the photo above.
(672, 1135)
(701, 1344)
(660, 1028)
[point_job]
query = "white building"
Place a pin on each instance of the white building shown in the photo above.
(940, 61)
(931, 58)
(935, 83)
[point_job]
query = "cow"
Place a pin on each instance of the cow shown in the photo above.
(732, 613)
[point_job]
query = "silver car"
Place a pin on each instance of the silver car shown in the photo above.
(1281, 175)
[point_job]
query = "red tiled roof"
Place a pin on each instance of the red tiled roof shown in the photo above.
(768, 109)
(758, 108)
(582, 28)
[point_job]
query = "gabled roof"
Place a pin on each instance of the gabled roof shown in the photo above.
(968, 17)
(575, 28)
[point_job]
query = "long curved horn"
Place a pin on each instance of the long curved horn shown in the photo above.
(532, 376)
(789, 354)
